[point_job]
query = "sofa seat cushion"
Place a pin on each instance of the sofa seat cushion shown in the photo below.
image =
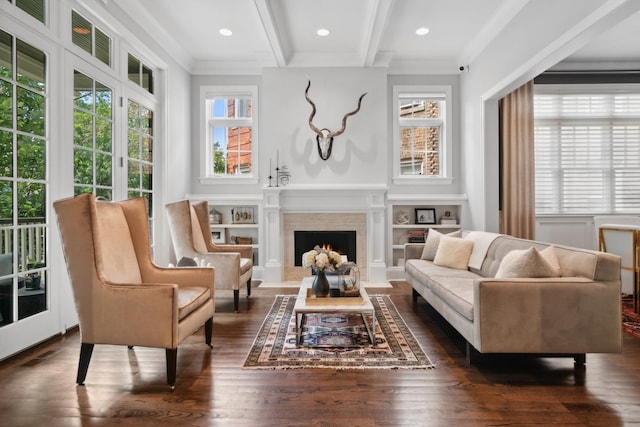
(455, 287)
(423, 271)
(456, 291)
(190, 298)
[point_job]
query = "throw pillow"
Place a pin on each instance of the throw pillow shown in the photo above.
(550, 255)
(453, 252)
(431, 244)
(528, 263)
(187, 262)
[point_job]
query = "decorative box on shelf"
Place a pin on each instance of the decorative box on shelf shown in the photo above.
(448, 219)
(240, 240)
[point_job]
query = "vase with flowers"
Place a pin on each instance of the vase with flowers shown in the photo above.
(322, 260)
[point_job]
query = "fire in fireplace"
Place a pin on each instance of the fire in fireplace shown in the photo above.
(343, 242)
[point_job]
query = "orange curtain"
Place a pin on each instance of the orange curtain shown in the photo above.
(517, 163)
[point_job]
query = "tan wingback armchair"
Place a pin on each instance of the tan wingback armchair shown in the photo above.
(191, 236)
(121, 296)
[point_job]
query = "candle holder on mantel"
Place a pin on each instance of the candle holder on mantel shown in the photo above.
(282, 176)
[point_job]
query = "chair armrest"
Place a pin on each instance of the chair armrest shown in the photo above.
(182, 276)
(245, 251)
(413, 250)
(227, 265)
(549, 315)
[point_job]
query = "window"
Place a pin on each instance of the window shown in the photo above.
(34, 8)
(92, 137)
(422, 123)
(140, 74)
(229, 132)
(23, 176)
(587, 149)
(90, 38)
(140, 153)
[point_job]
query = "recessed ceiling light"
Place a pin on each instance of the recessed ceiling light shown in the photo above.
(422, 31)
(226, 32)
(323, 32)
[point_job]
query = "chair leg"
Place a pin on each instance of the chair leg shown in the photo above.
(208, 329)
(249, 288)
(236, 300)
(86, 350)
(172, 361)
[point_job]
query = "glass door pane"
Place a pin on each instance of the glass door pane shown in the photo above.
(23, 181)
(93, 152)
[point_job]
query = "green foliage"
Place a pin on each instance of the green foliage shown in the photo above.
(219, 166)
(30, 152)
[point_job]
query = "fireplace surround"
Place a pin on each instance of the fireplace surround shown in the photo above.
(324, 208)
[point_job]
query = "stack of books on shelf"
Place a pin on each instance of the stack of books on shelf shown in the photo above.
(416, 236)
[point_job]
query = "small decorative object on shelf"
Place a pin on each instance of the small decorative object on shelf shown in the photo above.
(322, 260)
(215, 217)
(402, 218)
(447, 219)
(242, 215)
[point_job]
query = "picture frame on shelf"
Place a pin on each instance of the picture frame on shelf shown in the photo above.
(217, 235)
(425, 216)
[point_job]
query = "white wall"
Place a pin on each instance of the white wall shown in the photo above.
(361, 155)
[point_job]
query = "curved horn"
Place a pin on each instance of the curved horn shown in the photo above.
(313, 111)
(344, 119)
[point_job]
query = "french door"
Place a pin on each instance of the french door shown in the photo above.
(29, 306)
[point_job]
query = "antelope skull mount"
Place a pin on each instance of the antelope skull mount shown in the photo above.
(325, 137)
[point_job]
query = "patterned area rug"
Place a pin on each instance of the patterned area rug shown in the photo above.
(342, 340)
(630, 320)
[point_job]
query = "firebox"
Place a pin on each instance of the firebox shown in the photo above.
(343, 242)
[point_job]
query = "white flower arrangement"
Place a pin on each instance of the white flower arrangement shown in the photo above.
(322, 259)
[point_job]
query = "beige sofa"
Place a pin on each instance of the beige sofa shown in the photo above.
(571, 315)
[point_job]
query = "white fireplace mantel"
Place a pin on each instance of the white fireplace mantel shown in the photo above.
(325, 199)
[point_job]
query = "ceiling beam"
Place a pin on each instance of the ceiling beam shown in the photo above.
(496, 23)
(378, 19)
(270, 29)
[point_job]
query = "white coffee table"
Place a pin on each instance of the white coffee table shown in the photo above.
(332, 305)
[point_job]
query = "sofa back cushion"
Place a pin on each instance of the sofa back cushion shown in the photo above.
(574, 262)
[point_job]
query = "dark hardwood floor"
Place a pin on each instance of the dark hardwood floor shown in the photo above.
(128, 387)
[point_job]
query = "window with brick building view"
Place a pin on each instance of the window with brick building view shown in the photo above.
(231, 132)
(420, 124)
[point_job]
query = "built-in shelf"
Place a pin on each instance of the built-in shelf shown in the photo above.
(227, 231)
(402, 220)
